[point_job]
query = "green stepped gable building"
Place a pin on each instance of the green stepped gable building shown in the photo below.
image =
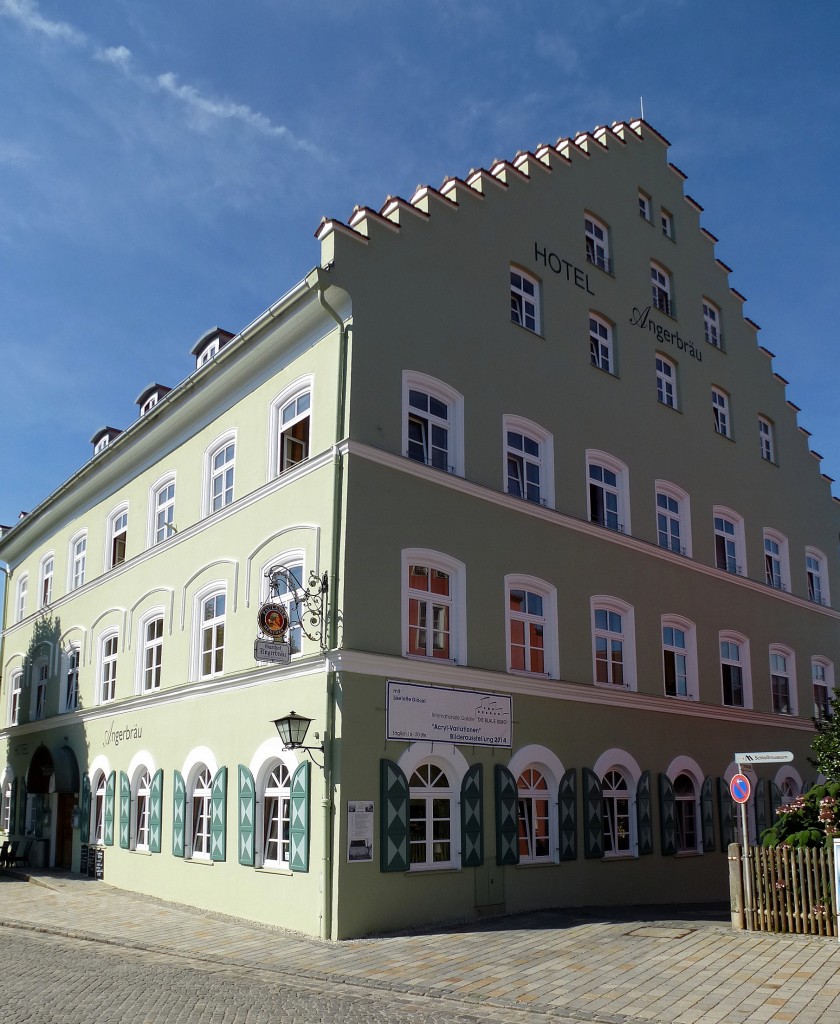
(552, 548)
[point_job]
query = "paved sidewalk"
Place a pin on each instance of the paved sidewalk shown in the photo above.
(636, 964)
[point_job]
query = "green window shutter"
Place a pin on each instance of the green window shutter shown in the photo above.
(667, 816)
(776, 801)
(21, 799)
(507, 817)
(218, 815)
(726, 815)
(760, 804)
(84, 810)
(393, 817)
(299, 818)
(125, 811)
(593, 815)
(472, 834)
(179, 813)
(707, 815)
(567, 806)
(247, 809)
(110, 798)
(156, 812)
(644, 817)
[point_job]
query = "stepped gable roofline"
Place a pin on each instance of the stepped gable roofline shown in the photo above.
(712, 238)
(329, 225)
(479, 177)
(526, 157)
(459, 187)
(752, 323)
(359, 220)
(735, 291)
(548, 154)
(500, 168)
(794, 406)
(767, 352)
(693, 203)
(781, 379)
(603, 132)
(724, 266)
(679, 173)
(825, 476)
(395, 205)
(816, 455)
(423, 193)
(638, 123)
(210, 336)
(803, 430)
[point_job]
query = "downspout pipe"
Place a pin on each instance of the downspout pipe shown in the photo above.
(316, 281)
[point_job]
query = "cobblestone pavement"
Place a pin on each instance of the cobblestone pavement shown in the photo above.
(619, 967)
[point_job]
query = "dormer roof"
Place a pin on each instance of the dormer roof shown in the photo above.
(214, 334)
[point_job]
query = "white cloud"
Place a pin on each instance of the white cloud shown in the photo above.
(227, 110)
(119, 56)
(558, 49)
(26, 13)
(13, 154)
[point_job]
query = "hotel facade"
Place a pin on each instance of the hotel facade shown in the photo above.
(553, 548)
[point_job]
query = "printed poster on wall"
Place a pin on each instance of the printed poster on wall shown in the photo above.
(359, 830)
(467, 717)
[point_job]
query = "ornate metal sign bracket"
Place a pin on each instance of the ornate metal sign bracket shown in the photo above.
(309, 603)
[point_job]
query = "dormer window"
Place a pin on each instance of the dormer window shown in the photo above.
(150, 397)
(103, 437)
(209, 345)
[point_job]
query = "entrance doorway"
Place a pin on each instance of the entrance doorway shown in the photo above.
(64, 831)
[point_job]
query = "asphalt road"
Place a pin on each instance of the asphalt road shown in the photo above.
(47, 979)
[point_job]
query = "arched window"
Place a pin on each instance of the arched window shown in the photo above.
(20, 597)
(45, 580)
(534, 816)
(608, 492)
(531, 619)
(433, 423)
(660, 280)
(219, 471)
(199, 804)
(613, 642)
(783, 680)
(666, 381)
(116, 534)
(679, 657)
(601, 352)
(816, 573)
(524, 300)
(434, 605)
(431, 800)
(822, 676)
(685, 812)
(77, 561)
(142, 798)
(730, 552)
(618, 838)
(776, 563)
(736, 678)
(276, 798)
(529, 461)
(162, 509)
(97, 810)
(597, 242)
(673, 518)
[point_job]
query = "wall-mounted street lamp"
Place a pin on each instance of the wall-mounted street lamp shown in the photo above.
(292, 730)
(309, 602)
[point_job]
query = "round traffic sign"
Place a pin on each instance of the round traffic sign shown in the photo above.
(739, 788)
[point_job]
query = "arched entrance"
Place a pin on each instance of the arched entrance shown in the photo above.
(52, 786)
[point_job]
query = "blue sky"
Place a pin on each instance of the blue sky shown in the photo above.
(163, 167)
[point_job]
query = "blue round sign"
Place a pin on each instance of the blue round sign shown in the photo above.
(739, 788)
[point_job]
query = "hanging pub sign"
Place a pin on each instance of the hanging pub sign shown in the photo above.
(273, 621)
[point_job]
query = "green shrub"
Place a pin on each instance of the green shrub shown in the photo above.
(810, 820)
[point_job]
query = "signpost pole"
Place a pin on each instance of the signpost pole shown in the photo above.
(745, 867)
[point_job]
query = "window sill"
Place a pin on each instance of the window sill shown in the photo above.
(620, 856)
(287, 872)
(203, 861)
(620, 687)
(525, 674)
(141, 852)
(680, 854)
(426, 658)
(547, 863)
(432, 869)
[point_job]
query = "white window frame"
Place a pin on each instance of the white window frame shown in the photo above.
(6, 800)
(107, 666)
(283, 797)
(617, 760)
(141, 803)
(729, 637)
(457, 602)
(211, 474)
(661, 283)
(738, 567)
(162, 509)
(665, 516)
(621, 489)
(525, 300)
(543, 460)
(776, 560)
(601, 343)
(77, 561)
(15, 696)
(277, 429)
(147, 647)
(681, 818)
(266, 758)
(46, 580)
(686, 651)
(666, 381)
(454, 424)
(822, 678)
(208, 353)
(98, 798)
(711, 324)
(644, 205)
(430, 795)
(195, 792)
(766, 439)
(666, 222)
(528, 812)
(547, 621)
(816, 576)
(627, 637)
(210, 592)
(597, 237)
(778, 703)
(71, 663)
(40, 676)
(21, 595)
(116, 536)
(721, 412)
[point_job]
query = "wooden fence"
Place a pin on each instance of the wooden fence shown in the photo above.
(792, 890)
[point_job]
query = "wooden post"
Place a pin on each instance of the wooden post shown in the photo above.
(736, 886)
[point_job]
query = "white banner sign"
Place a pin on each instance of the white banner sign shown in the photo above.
(765, 757)
(433, 713)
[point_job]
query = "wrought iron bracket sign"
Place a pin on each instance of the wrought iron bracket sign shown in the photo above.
(309, 605)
